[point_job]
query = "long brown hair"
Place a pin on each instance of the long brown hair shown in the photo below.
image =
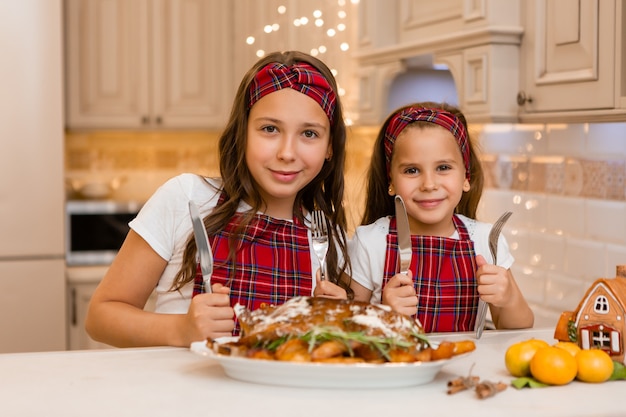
(325, 191)
(378, 202)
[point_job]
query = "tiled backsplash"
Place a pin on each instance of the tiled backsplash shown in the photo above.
(564, 183)
(144, 160)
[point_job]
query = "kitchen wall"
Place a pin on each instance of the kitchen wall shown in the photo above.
(564, 183)
(140, 160)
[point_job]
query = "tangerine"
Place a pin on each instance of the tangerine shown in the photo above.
(594, 365)
(518, 355)
(554, 366)
(571, 347)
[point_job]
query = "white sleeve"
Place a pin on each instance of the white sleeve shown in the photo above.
(164, 222)
(367, 250)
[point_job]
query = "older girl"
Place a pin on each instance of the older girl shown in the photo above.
(281, 156)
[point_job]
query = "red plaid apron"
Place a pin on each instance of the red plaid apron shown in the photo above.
(444, 272)
(273, 263)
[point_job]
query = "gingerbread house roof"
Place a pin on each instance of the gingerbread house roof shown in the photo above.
(617, 286)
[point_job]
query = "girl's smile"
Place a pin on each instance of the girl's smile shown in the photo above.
(283, 176)
(288, 141)
(428, 204)
(427, 170)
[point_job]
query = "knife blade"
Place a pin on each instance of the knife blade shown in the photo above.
(202, 242)
(404, 235)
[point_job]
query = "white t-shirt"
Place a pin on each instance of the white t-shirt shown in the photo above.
(164, 223)
(368, 249)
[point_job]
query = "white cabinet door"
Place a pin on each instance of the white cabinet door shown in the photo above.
(32, 305)
(107, 56)
(148, 63)
(486, 80)
(568, 54)
(418, 19)
(191, 63)
(79, 297)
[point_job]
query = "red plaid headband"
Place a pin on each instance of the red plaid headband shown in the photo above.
(439, 117)
(301, 77)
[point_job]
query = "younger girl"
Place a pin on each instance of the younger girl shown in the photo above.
(282, 155)
(424, 154)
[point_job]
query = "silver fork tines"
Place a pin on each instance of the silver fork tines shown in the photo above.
(494, 235)
(319, 236)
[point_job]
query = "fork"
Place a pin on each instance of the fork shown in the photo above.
(494, 235)
(319, 236)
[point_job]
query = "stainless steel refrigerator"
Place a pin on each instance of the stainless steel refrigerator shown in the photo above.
(32, 265)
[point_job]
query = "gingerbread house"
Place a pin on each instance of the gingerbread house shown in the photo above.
(599, 321)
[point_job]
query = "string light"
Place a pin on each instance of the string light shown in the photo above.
(322, 30)
(329, 8)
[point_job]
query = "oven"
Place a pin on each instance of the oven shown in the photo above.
(95, 230)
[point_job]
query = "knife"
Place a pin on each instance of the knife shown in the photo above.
(404, 235)
(202, 242)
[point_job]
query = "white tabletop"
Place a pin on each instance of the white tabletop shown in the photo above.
(177, 382)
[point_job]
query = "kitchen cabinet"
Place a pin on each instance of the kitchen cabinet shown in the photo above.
(32, 302)
(486, 77)
(512, 61)
(79, 297)
(148, 63)
(573, 55)
(82, 281)
(477, 41)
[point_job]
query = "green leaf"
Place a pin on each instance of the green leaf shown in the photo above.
(527, 382)
(619, 371)
(572, 331)
(382, 344)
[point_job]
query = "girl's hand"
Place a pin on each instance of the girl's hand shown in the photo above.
(328, 289)
(400, 295)
(496, 286)
(494, 283)
(210, 315)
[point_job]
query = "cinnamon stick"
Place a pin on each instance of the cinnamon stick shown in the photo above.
(456, 388)
(462, 383)
(488, 389)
